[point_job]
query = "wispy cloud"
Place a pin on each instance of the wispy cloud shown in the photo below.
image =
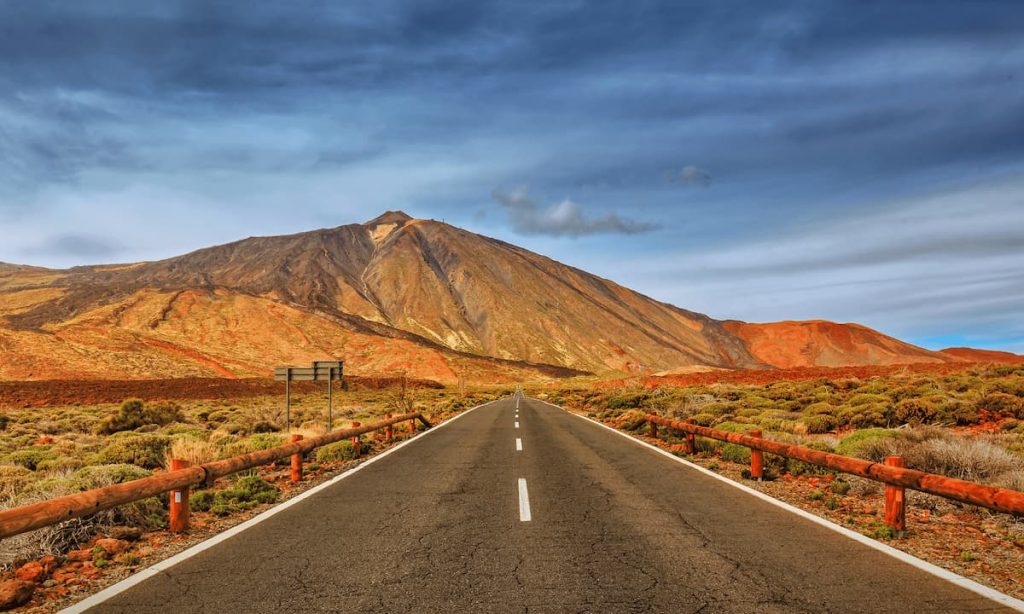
(565, 218)
(690, 175)
(74, 246)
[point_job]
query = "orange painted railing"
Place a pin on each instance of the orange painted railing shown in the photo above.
(180, 479)
(892, 473)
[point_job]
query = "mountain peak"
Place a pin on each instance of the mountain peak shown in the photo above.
(390, 217)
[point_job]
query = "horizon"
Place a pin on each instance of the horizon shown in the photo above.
(866, 171)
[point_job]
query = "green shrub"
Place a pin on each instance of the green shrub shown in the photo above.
(254, 443)
(146, 451)
(334, 452)
(1002, 404)
(918, 410)
(851, 444)
(4, 421)
(31, 458)
(703, 419)
(246, 493)
(627, 400)
(135, 414)
(820, 423)
(736, 453)
(13, 480)
(840, 487)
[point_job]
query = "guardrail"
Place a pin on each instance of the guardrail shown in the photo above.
(181, 478)
(892, 473)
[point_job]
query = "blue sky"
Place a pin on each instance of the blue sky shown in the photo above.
(852, 161)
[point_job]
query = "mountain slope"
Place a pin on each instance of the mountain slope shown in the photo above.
(817, 343)
(993, 356)
(394, 293)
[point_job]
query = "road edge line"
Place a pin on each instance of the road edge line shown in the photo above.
(931, 568)
(162, 566)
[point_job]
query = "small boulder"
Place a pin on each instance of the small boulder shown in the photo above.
(80, 555)
(32, 572)
(128, 534)
(112, 546)
(15, 593)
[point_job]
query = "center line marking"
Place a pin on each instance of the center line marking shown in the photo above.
(524, 502)
(517, 424)
(519, 445)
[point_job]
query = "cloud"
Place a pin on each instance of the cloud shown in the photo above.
(691, 175)
(561, 219)
(75, 246)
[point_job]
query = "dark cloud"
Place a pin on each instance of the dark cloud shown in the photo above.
(561, 219)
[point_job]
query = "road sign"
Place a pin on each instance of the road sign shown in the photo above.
(329, 371)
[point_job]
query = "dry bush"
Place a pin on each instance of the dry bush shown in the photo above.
(972, 459)
(60, 538)
(193, 451)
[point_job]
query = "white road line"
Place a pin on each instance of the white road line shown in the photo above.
(519, 445)
(524, 502)
(163, 566)
(925, 566)
(517, 424)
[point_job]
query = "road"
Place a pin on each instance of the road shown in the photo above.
(441, 525)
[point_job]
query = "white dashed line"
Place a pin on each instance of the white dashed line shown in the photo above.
(517, 424)
(524, 502)
(519, 445)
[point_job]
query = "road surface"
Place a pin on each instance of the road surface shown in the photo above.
(543, 512)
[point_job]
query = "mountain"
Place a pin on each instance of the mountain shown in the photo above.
(393, 294)
(973, 355)
(817, 343)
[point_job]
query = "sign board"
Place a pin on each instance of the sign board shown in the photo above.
(322, 371)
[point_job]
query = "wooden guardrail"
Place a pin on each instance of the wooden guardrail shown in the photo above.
(181, 478)
(892, 473)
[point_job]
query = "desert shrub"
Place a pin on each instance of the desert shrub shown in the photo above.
(67, 535)
(194, 451)
(633, 421)
(820, 423)
(31, 458)
(334, 452)
(62, 463)
(820, 407)
(246, 493)
(703, 419)
(851, 444)
(864, 398)
(13, 480)
(736, 453)
(627, 400)
(970, 459)
(135, 414)
(4, 421)
(733, 427)
(146, 451)
(1002, 404)
(254, 443)
(217, 417)
(916, 410)
(840, 487)
(960, 412)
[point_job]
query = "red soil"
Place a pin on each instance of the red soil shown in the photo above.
(760, 377)
(91, 392)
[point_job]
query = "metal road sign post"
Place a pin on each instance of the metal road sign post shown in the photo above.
(322, 371)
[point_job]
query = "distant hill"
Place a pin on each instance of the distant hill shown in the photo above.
(393, 294)
(973, 355)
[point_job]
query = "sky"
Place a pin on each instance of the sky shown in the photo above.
(852, 161)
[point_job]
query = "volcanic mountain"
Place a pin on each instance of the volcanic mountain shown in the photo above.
(393, 294)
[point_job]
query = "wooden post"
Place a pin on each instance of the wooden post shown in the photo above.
(296, 461)
(756, 459)
(179, 501)
(288, 401)
(389, 431)
(412, 427)
(330, 400)
(355, 441)
(691, 440)
(654, 429)
(895, 502)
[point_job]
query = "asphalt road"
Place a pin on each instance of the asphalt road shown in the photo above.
(438, 526)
